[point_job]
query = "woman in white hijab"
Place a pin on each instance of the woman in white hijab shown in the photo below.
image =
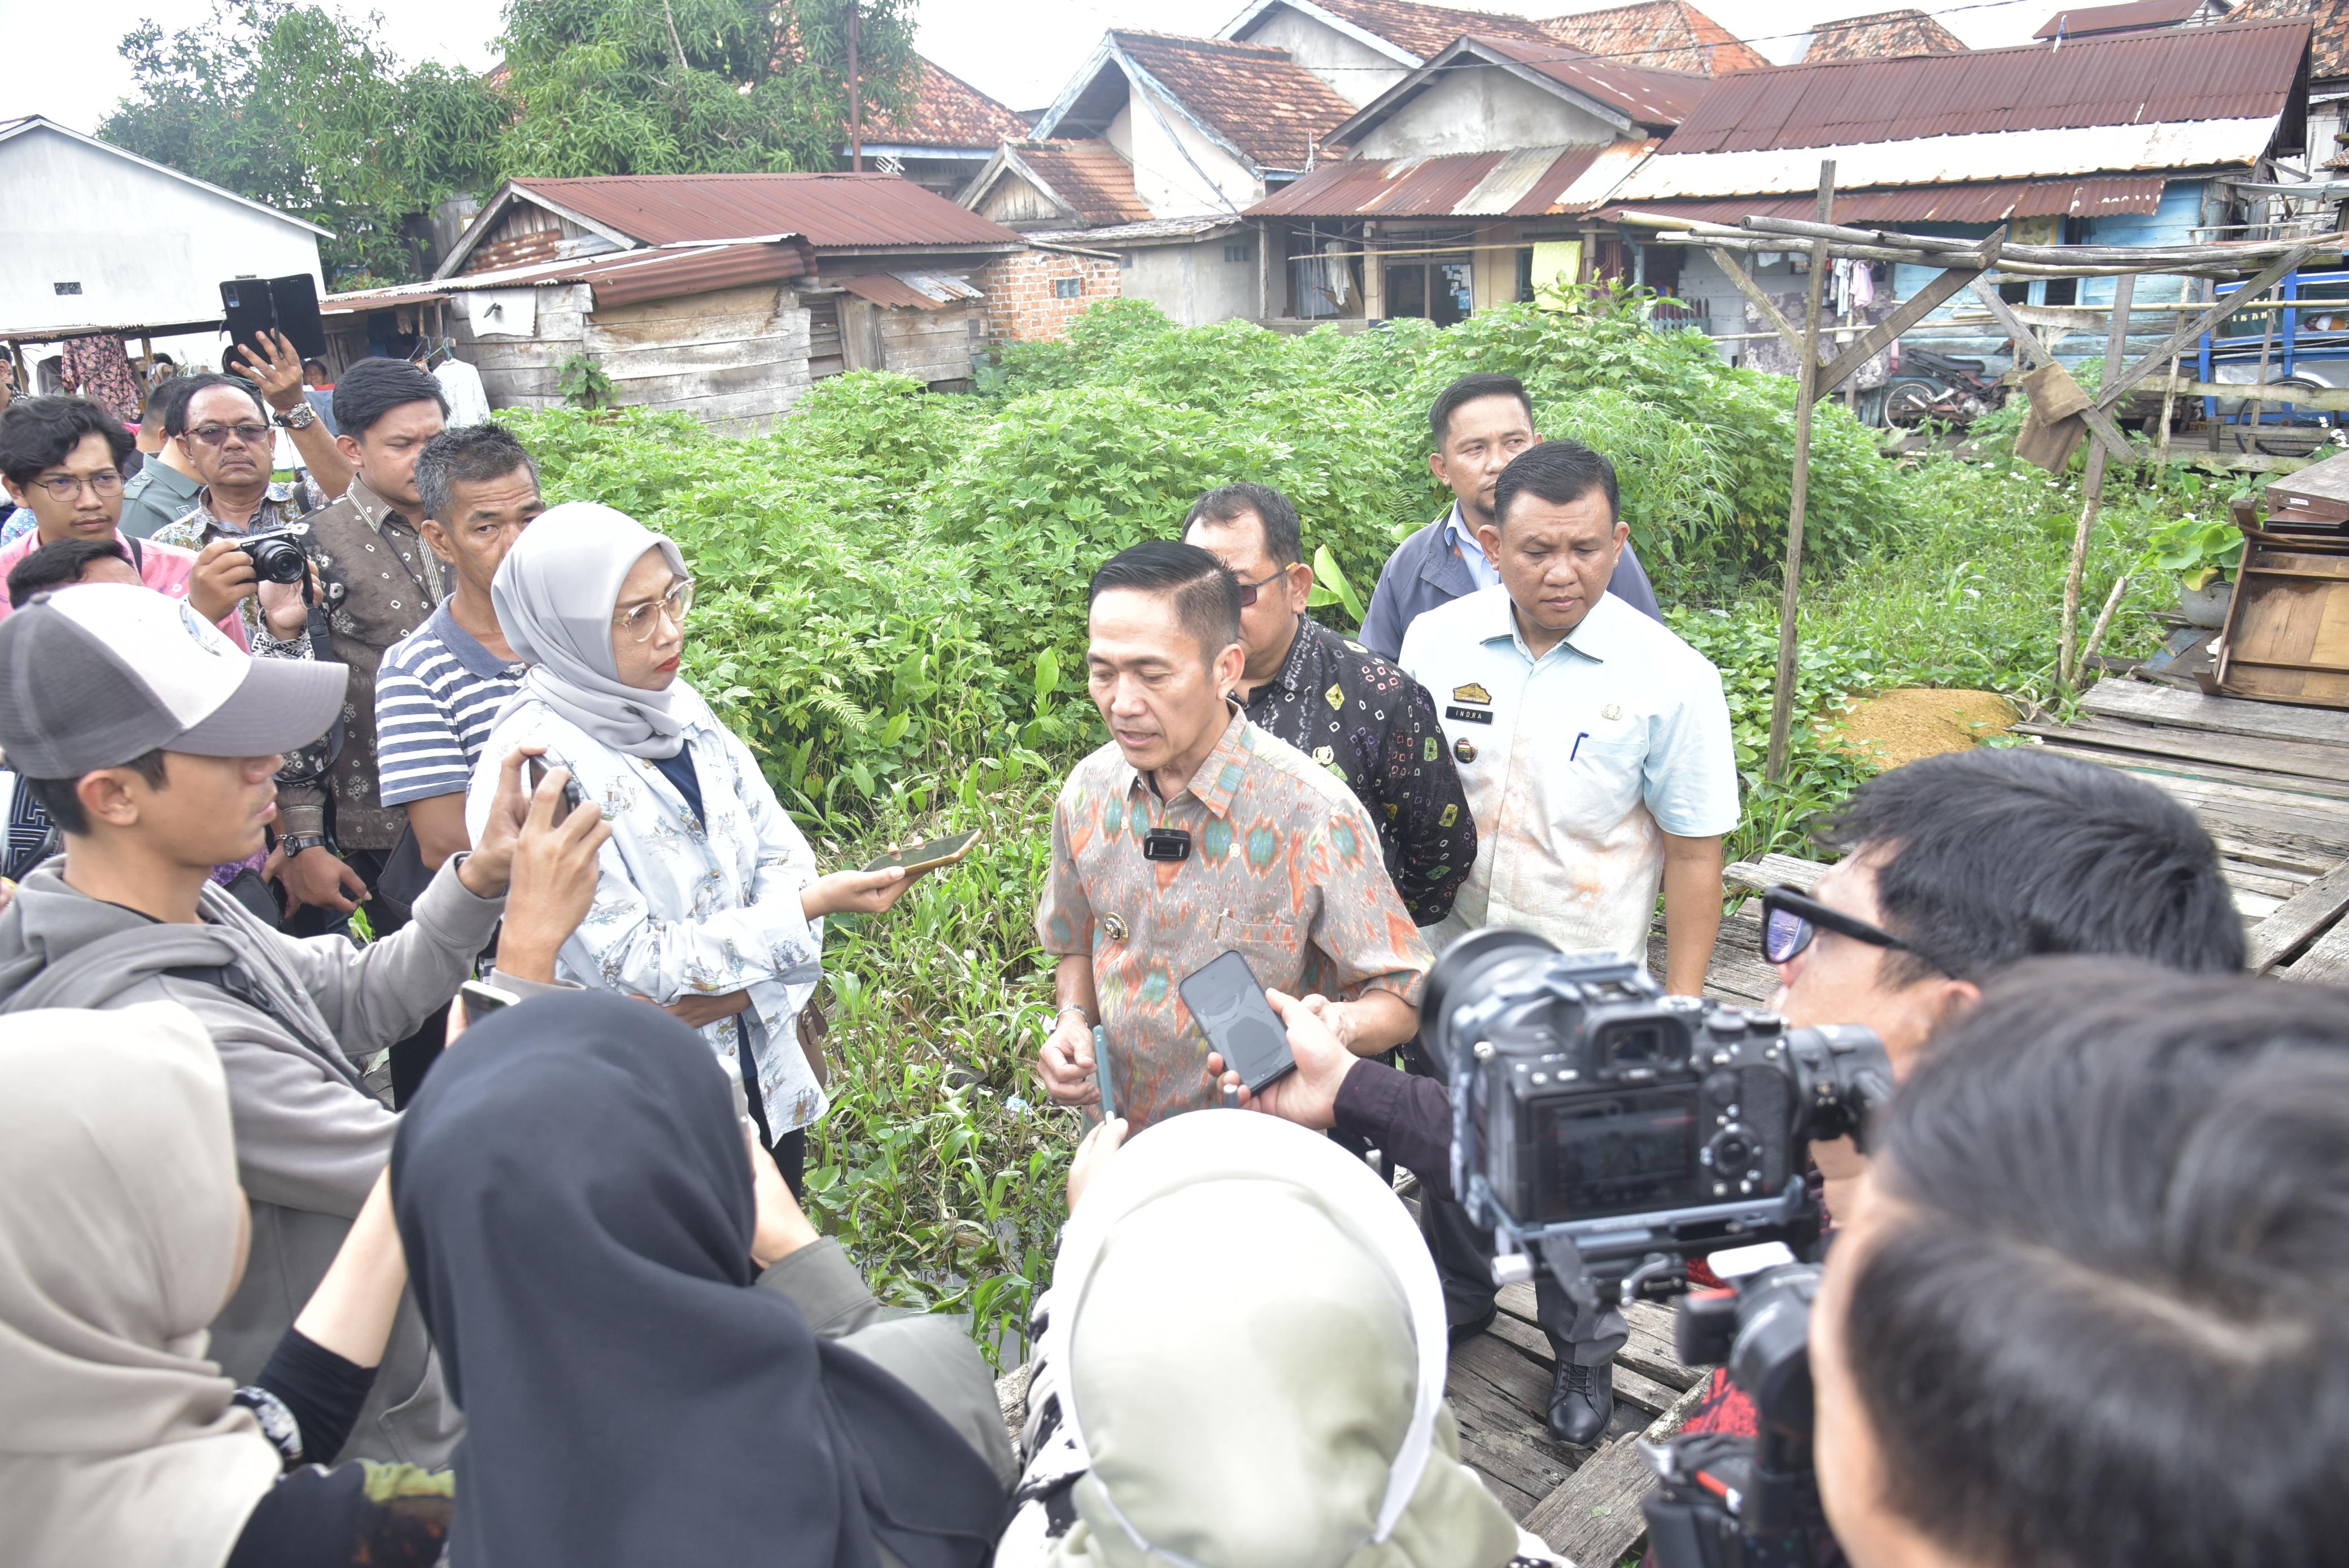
(1242, 1365)
(122, 1232)
(709, 903)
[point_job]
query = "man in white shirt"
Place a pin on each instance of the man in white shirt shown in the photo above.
(1594, 746)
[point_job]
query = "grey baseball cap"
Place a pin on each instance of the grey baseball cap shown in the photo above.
(95, 676)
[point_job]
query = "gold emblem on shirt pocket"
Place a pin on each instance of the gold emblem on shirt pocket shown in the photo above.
(1113, 928)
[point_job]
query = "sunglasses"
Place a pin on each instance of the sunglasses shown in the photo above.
(1790, 919)
(1248, 591)
(218, 435)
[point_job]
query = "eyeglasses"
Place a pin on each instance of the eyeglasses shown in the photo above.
(66, 486)
(251, 435)
(1790, 919)
(1248, 591)
(644, 620)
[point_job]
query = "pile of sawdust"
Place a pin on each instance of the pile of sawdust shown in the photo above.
(1901, 726)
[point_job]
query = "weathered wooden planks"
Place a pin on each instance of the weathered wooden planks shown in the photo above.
(2308, 913)
(2311, 767)
(2163, 705)
(1593, 1517)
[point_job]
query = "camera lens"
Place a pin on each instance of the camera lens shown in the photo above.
(1461, 974)
(275, 560)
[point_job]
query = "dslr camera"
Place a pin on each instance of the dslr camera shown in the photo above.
(276, 553)
(1619, 1131)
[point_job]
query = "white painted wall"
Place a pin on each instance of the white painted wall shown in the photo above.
(144, 245)
(1482, 110)
(1353, 70)
(1194, 284)
(1171, 185)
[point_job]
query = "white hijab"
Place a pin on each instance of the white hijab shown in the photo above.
(1247, 1340)
(555, 594)
(119, 1216)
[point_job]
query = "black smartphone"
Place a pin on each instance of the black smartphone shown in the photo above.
(921, 857)
(572, 797)
(1230, 1006)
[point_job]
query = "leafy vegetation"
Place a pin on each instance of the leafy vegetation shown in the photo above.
(892, 613)
(289, 102)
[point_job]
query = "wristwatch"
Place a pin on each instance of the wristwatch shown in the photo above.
(292, 844)
(300, 417)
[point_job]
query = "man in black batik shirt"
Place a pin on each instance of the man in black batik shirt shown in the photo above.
(1343, 706)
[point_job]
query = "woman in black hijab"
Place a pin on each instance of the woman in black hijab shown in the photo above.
(575, 1196)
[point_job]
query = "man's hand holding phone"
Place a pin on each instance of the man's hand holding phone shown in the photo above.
(1308, 1097)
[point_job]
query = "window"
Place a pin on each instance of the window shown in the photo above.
(68, 288)
(1068, 288)
(1125, 261)
(1240, 252)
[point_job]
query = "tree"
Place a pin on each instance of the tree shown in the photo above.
(296, 107)
(694, 87)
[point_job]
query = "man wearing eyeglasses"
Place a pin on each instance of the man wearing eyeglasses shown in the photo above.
(61, 458)
(1352, 711)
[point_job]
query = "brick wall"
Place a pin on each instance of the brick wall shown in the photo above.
(1023, 303)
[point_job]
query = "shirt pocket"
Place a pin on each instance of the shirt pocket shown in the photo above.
(1601, 783)
(1275, 949)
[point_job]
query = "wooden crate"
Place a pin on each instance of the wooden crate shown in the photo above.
(2287, 633)
(2315, 500)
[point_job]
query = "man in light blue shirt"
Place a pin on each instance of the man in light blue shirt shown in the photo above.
(1594, 746)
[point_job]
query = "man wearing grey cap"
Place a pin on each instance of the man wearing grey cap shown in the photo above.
(153, 743)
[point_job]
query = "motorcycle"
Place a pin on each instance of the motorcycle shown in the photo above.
(1939, 386)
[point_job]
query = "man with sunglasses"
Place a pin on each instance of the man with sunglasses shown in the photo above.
(1353, 712)
(61, 458)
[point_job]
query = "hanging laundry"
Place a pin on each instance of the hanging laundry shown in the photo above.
(1863, 284)
(99, 369)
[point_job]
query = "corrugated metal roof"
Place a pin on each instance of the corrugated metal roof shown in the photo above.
(1669, 34)
(1524, 184)
(2082, 20)
(1154, 230)
(2237, 72)
(621, 277)
(910, 291)
(1660, 98)
(1956, 159)
(1989, 202)
(1880, 35)
(835, 211)
(2328, 41)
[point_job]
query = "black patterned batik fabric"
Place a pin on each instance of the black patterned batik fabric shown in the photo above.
(1358, 714)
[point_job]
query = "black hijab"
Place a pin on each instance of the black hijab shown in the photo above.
(575, 1198)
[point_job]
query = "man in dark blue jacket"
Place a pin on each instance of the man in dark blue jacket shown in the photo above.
(1481, 422)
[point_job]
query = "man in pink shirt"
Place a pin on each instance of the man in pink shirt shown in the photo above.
(61, 457)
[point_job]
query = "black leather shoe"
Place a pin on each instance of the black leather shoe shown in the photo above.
(1462, 1333)
(1581, 1403)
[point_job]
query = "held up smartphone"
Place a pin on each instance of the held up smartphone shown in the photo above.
(1230, 1006)
(573, 799)
(482, 999)
(921, 857)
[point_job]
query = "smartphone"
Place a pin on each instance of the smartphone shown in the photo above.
(482, 999)
(921, 857)
(573, 799)
(1229, 1006)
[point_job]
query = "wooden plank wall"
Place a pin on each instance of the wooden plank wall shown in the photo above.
(519, 373)
(735, 358)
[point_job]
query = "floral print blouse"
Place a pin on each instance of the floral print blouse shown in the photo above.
(686, 905)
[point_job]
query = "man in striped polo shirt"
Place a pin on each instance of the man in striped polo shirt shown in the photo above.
(439, 688)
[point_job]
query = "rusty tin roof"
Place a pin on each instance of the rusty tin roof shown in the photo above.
(833, 212)
(2328, 42)
(2081, 21)
(1524, 184)
(1983, 201)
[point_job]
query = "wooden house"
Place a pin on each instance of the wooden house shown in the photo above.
(723, 295)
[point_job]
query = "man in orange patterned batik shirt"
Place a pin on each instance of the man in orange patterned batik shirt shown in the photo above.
(1194, 834)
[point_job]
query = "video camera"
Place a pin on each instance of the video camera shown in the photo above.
(1617, 1132)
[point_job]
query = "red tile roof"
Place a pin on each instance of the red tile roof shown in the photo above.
(1670, 34)
(2128, 78)
(946, 111)
(833, 212)
(2081, 21)
(1881, 36)
(1661, 99)
(1424, 30)
(1091, 178)
(1253, 95)
(2329, 18)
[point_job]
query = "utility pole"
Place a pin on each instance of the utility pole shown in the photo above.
(855, 97)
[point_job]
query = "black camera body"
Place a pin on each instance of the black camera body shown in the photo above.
(277, 554)
(1588, 1106)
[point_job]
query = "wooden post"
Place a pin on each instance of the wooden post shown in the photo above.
(1782, 697)
(2259, 403)
(856, 93)
(2093, 497)
(2168, 400)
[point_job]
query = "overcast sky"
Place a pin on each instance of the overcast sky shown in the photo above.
(1021, 51)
